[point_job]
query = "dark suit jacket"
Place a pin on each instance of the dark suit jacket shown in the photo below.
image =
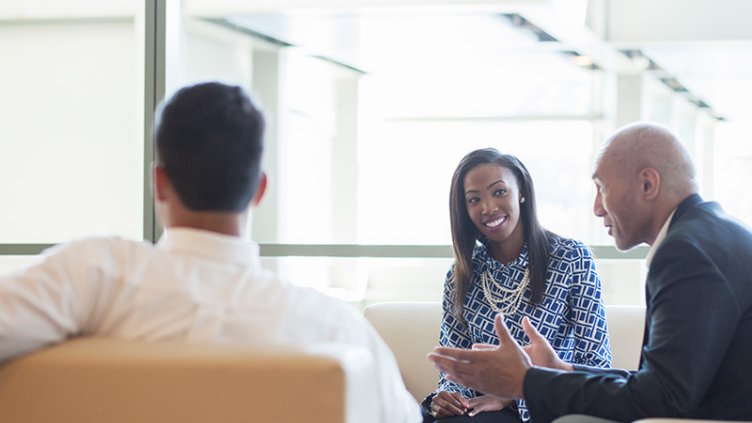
(696, 358)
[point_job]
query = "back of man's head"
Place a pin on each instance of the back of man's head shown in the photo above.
(209, 140)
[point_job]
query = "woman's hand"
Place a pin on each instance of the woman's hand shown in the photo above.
(447, 404)
(486, 403)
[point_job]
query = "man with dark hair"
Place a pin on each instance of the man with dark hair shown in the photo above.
(698, 336)
(209, 143)
(202, 283)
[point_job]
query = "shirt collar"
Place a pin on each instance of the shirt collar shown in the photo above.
(210, 245)
(521, 260)
(659, 239)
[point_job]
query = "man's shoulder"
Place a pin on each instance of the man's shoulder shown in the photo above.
(308, 303)
(98, 246)
(318, 316)
(706, 224)
(704, 235)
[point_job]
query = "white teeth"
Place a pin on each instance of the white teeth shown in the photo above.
(495, 223)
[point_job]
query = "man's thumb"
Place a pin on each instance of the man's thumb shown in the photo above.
(501, 330)
(530, 330)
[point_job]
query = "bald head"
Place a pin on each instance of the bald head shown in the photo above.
(649, 145)
(642, 174)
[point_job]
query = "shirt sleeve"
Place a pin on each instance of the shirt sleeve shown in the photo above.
(452, 333)
(397, 404)
(591, 347)
(40, 303)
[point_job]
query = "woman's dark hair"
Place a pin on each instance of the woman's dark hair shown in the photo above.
(465, 234)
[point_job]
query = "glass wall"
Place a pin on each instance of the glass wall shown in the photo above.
(71, 131)
(369, 111)
(733, 168)
(364, 133)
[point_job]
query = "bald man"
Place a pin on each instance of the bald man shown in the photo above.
(697, 348)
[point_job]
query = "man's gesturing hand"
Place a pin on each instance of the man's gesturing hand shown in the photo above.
(541, 353)
(496, 371)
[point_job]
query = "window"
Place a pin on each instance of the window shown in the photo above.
(369, 111)
(72, 137)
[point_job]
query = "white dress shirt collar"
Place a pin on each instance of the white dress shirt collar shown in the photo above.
(210, 245)
(659, 239)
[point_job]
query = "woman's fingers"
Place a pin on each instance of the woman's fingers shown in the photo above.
(448, 404)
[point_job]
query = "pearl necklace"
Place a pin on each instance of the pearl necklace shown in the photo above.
(512, 297)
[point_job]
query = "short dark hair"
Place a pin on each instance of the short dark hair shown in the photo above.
(209, 140)
(465, 234)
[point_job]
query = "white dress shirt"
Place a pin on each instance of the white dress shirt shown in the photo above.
(193, 286)
(659, 239)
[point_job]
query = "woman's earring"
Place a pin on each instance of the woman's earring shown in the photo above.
(522, 200)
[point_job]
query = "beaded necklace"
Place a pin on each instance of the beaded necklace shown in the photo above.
(512, 297)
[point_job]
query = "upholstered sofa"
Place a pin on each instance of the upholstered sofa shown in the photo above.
(411, 331)
(105, 380)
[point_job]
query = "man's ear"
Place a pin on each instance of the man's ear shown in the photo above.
(260, 190)
(650, 183)
(161, 182)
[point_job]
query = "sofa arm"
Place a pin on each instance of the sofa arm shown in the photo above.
(96, 379)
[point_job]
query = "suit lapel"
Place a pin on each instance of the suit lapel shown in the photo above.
(681, 209)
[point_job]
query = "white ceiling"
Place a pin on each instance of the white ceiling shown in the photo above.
(705, 44)
(714, 60)
(720, 72)
(394, 41)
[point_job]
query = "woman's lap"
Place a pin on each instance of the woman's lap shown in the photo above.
(502, 416)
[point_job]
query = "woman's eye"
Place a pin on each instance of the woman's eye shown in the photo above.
(472, 200)
(500, 191)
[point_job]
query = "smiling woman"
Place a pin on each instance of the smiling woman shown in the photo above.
(506, 262)
(493, 202)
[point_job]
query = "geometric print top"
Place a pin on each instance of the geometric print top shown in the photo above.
(570, 315)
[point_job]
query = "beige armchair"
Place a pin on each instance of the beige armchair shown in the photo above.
(105, 380)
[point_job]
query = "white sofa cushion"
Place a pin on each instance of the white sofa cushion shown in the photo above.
(411, 330)
(626, 326)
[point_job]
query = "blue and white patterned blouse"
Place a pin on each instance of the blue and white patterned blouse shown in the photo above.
(570, 316)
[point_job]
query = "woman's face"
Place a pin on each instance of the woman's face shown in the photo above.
(492, 199)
